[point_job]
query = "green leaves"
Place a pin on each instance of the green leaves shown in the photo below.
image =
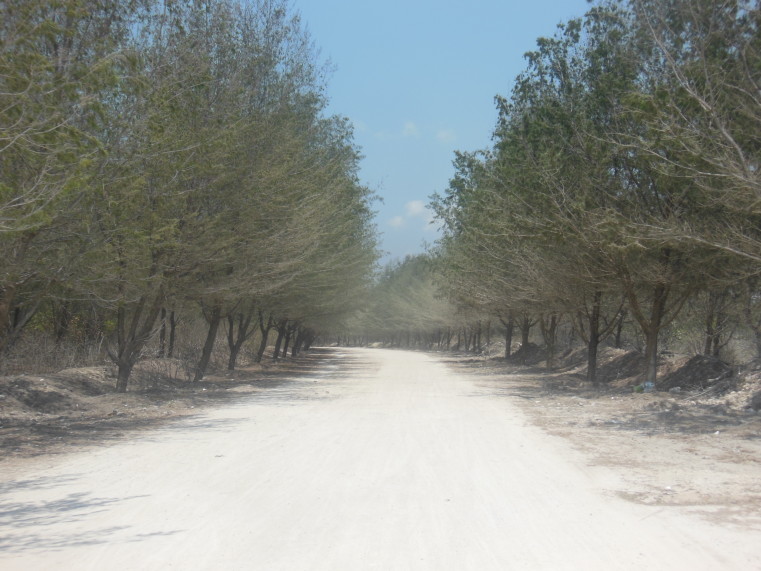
(174, 153)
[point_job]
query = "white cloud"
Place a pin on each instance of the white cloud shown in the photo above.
(446, 136)
(415, 208)
(396, 222)
(410, 130)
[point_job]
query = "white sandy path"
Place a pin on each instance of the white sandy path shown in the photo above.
(388, 461)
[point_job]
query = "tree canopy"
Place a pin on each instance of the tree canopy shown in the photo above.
(176, 153)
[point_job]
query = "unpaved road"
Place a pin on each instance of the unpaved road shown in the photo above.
(387, 460)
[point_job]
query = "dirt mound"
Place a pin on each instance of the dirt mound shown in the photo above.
(37, 396)
(25, 396)
(89, 381)
(616, 365)
(529, 354)
(574, 358)
(700, 373)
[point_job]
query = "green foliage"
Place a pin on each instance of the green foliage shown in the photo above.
(405, 301)
(173, 154)
(624, 167)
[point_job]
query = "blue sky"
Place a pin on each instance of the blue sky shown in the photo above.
(418, 79)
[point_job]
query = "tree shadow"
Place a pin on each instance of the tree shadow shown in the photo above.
(26, 526)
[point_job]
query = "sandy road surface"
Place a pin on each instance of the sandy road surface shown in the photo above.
(386, 460)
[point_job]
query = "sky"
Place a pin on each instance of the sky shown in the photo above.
(417, 78)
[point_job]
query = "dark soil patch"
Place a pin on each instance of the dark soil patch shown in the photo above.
(573, 358)
(24, 391)
(529, 354)
(755, 401)
(624, 366)
(700, 373)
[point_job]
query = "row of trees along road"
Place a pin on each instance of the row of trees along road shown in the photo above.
(624, 177)
(166, 156)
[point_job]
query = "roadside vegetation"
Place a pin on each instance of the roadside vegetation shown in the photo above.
(174, 197)
(620, 205)
(168, 177)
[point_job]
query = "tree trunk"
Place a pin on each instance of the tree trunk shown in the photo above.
(298, 342)
(133, 333)
(124, 370)
(13, 318)
(651, 358)
(619, 328)
(287, 340)
(62, 320)
(279, 340)
(750, 295)
(549, 327)
(208, 347)
(308, 340)
(715, 324)
(659, 316)
(594, 339)
(525, 330)
(651, 331)
(710, 324)
(235, 342)
(162, 334)
(509, 326)
(265, 331)
(172, 334)
(525, 326)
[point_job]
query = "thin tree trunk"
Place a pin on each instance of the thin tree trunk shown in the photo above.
(162, 334)
(525, 330)
(279, 340)
(14, 319)
(172, 334)
(265, 331)
(62, 321)
(235, 342)
(297, 344)
(594, 339)
(208, 347)
(525, 327)
(619, 329)
(287, 340)
(549, 327)
(509, 326)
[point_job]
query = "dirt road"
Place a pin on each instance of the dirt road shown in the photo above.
(386, 460)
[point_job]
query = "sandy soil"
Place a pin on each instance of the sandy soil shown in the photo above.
(684, 450)
(396, 460)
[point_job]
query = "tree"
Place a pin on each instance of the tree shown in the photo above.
(59, 65)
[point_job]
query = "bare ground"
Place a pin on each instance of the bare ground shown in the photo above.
(694, 448)
(372, 459)
(74, 408)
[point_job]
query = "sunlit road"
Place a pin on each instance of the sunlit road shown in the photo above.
(385, 460)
